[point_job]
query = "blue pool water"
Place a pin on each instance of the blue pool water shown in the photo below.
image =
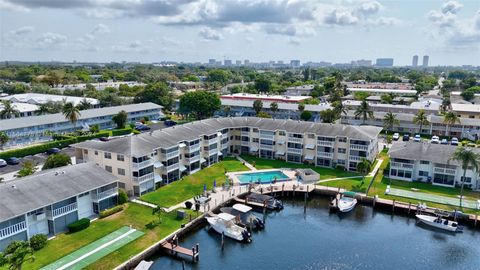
(264, 177)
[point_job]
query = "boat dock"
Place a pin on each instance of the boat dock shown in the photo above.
(171, 247)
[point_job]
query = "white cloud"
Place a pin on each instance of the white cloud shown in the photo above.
(341, 17)
(100, 29)
(368, 8)
(23, 30)
(451, 7)
(210, 34)
(50, 40)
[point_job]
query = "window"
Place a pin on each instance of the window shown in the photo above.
(121, 185)
(107, 155)
(255, 140)
(121, 171)
(120, 158)
(423, 173)
(424, 162)
(85, 151)
(96, 153)
(281, 133)
(467, 179)
(83, 194)
(311, 136)
(342, 150)
(342, 139)
(341, 162)
(108, 169)
(443, 179)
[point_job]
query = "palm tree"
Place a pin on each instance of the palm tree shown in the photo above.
(9, 110)
(389, 121)
(159, 211)
(328, 116)
(257, 106)
(120, 119)
(301, 107)
(364, 111)
(339, 108)
(3, 139)
(16, 254)
(274, 107)
(84, 104)
(43, 109)
(420, 119)
(364, 167)
(449, 119)
(467, 158)
(226, 110)
(71, 113)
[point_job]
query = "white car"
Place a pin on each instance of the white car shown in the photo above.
(396, 136)
(435, 139)
(454, 141)
(3, 163)
(417, 138)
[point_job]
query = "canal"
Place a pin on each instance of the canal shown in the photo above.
(362, 239)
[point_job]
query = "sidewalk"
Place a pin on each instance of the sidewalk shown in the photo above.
(248, 165)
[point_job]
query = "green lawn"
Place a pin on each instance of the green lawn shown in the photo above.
(355, 184)
(325, 173)
(136, 215)
(192, 185)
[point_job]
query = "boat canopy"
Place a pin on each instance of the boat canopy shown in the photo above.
(259, 197)
(349, 194)
(226, 217)
(242, 208)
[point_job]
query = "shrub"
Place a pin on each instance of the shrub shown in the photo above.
(79, 225)
(122, 196)
(35, 149)
(108, 212)
(123, 131)
(38, 241)
(188, 204)
(57, 160)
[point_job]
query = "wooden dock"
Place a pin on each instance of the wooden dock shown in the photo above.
(174, 249)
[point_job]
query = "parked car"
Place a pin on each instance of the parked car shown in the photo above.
(454, 141)
(444, 141)
(417, 138)
(406, 137)
(104, 139)
(52, 151)
(396, 136)
(3, 163)
(13, 161)
(142, 127)
(170, 123)
(435, 139)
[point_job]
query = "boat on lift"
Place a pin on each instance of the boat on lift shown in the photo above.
(224, 223)
(439, 222)
(244, 216)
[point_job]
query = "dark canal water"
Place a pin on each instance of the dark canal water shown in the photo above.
(362, 239)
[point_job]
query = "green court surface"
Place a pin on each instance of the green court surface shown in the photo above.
(432, 198)
(94, 251)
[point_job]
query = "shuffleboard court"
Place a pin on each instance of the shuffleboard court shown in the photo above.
(94, 251)
(432, 198)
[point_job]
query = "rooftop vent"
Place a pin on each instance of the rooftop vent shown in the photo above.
(14, 187)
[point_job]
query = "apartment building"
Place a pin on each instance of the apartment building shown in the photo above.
(24, 109)
(415, 161)
(39, 99)
(471, 111)
(46, 202)
(166, 155)
(38, 128)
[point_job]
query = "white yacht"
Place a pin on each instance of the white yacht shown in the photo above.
(244, 216)
(347, 202)
(440, 223)
(225, 223)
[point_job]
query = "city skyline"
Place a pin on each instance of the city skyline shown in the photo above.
(194, 31)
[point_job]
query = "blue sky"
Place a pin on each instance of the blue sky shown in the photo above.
(259, 30)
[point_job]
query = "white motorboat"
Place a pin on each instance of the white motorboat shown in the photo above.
(347, 202)
(225, 223)
(440, 223)
(244, 216)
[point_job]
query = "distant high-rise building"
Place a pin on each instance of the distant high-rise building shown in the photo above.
(295, 63)
(227, 62)
(211, 61)
(238, 62)
(246, 62)
(425, 61)
(361, 63)
(384, 62)
(415, 61)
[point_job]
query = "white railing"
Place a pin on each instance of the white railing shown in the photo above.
(359, 147)
(104, 194)
(193, 159)
(143, 178)
(224, 136)
(267, 137)
(13, 229)
(212, 141)
(194, 148)
(171, 154)
(171, 167)
(401, 165)
(324, 154)
(245, 133)
(295, 140)
(143, 164)
(354, 158)
(266, 146)
(212, 151)
(294, 150)
(62, 210)
(245, 143)
(325, 143)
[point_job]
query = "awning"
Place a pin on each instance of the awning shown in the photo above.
(182, 168)
(220, 153)
(202, 160)
(157, 164)
(309, 157)
(157, 178)
(182, 145)
(310, 146)
(281, 142)
(253, 149)
(280, 152)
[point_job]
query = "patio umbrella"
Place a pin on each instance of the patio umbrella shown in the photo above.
(214, 183)
(204, 187)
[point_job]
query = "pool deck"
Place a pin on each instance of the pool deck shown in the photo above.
(233, 176)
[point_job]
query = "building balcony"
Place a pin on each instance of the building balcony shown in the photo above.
(194, 148)
(444, 170)
(324, 154)
(171, 167)
(104, 194)
(51, 214)
(192, 159)
(212, 151)
(244, 143)
(325, 143)
(359, 147)
(13, 229)
(355, 158)
(267, 137)
(245, 133)
(143, 164)
(224, 136)
(266, 146)
(171, 155)
(401, 165)
(295, 140)
(144, 178)
(294, 150)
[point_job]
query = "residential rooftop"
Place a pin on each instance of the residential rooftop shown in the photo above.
(32, 192)
(472, 108)
(272, 98)
(37, 99)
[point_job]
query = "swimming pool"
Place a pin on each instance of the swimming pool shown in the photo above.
(264, 177)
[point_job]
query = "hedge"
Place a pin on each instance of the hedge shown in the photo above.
(111, 211)
(79, 225)
(123, 131)
(35, 149)
(103, 133)
(38, 241)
